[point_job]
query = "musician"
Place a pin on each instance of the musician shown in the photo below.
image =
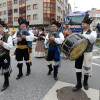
(85, 61)
(24, 39)
(39, 50)
(53, 41)
(5, 46)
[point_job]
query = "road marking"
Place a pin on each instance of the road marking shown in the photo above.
(96, 64)
(2, 93)
(52, 94)
(95, 50)
(96, 57)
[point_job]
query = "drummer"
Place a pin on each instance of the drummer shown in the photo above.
(85, 61)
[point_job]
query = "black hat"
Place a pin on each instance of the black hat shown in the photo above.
(21, 20)
(53, 21)
(2, 23)
(87, 19)
(98, 27)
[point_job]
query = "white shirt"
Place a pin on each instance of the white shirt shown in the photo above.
(9, 44)
(28, 38)
(91, 37)
(57, 40)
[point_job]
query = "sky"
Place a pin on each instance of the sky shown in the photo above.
(84, 5)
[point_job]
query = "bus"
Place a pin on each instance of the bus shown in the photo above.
(74, 20)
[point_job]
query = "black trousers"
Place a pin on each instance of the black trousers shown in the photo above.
(5, 63)
(22, 53)
(79, 62)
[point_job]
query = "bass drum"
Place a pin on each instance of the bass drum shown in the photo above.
(74, 46)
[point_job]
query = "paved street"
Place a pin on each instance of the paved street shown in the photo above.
(36, 86)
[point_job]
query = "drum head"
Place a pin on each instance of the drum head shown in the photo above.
(79, 48)
(74, 45)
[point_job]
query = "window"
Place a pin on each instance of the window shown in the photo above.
(58, 18)
(5, 12)
(28, 17)
(4, 4)
(34, 6)
(15, 10)
(0, 5)
(0, 13)
(29, 7)
(15, 1)
(48, 10)
(35, 16)
(5, 20)
(16, 19)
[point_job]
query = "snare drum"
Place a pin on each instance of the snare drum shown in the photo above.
(74, 45)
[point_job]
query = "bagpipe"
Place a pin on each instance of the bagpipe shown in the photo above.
(25, 32)
(56, 35)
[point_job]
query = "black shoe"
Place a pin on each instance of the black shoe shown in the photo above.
(86, 87)
(77, 87)
(49, 72)
(50, 69)
(5, 86)
(28, 73)
(55, 73)
(85, 82)
(19, 76)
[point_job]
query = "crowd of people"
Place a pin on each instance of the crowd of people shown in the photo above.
(51, 41)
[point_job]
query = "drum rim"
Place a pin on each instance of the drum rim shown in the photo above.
(70, 36)
(76, 44)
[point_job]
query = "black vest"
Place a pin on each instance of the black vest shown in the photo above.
(90, 45)
(4, 51)
(23, 42)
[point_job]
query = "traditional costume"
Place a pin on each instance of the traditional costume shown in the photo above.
(84, 62)
(5, 54)
(39, 50)
(54, 49)
(23, 47)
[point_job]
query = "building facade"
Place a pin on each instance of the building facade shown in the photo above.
(95, 13)
(37, 12)
(4, 10)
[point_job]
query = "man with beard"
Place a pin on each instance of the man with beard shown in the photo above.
(85, 60)
(54, 39)
(24, 39)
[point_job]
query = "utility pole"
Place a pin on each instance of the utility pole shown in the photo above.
(63, 14)
(74, 5)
